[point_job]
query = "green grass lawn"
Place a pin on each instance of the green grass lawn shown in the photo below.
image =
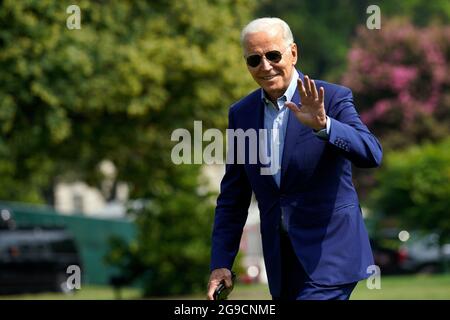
(392, 287)
(85, 293)
(408, 287)
(428, 287)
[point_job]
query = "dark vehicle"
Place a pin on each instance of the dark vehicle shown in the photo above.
(385, 257)
(398, 251)
(35, 259)
(422, 253)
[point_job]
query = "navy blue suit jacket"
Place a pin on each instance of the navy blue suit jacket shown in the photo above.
(316, 194)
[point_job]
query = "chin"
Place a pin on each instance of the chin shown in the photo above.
(273, 89)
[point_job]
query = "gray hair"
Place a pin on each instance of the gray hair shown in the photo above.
(268, 25)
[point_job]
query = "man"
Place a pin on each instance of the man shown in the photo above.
(314, 240)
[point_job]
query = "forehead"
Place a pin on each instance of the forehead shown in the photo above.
(263, 41)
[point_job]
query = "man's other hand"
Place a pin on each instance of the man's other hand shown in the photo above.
(312, 111)
(217, 275)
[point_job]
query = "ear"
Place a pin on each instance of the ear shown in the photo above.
(294, 53)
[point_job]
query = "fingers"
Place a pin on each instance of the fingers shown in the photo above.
(314, 90)
(292, 106)
(308, 86)
(308, 90)
(216, 277)
(211, 288)
(321, 95)
(301, 88)
(228, 282)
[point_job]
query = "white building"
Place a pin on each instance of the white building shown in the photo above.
(79, 197)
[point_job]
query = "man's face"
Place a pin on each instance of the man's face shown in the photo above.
(274, 78)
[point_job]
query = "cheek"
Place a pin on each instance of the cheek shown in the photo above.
(282, 69)
(253, 74)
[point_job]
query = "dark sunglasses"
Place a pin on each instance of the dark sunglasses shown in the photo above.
(273, 56)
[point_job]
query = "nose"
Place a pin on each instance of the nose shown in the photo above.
(265, 64)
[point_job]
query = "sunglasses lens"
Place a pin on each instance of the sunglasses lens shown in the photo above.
(274, 56)
(253, 60)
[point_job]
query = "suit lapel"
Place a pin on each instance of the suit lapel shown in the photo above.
(269, 179)
(255, 120)
(293, 131)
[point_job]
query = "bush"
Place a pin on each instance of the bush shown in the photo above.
(400, 78)
(414, 186)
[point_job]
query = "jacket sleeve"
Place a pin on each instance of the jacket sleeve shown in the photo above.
(231, 212)
(349, 135)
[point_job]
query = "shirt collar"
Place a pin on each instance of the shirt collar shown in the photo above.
(288, 94)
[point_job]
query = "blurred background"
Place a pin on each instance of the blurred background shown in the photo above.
(86, 116)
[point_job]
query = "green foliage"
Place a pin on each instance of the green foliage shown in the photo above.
(321, 29)
(171, 253)
(176, 244)
(414, 186)
(324, 29)
(420, 12)
(116, 89)
(402, 87)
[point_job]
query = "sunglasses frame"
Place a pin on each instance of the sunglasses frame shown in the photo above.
(264, 55)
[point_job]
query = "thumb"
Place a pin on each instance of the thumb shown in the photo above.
(292, 106)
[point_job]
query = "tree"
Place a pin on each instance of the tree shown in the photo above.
(420, 12)
(324, 29)
(400, 78)
(116, 89)
(414, 187)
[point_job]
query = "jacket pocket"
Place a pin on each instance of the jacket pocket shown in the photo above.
(320, 215)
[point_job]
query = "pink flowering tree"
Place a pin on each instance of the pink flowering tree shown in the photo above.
(400, 77)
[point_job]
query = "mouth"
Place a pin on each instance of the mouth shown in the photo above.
(270, 77)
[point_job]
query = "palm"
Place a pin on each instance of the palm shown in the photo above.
(312, 111)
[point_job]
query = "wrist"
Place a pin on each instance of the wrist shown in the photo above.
(324, 133)
(321, 126)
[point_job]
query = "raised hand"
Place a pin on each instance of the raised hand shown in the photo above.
(312, 110)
